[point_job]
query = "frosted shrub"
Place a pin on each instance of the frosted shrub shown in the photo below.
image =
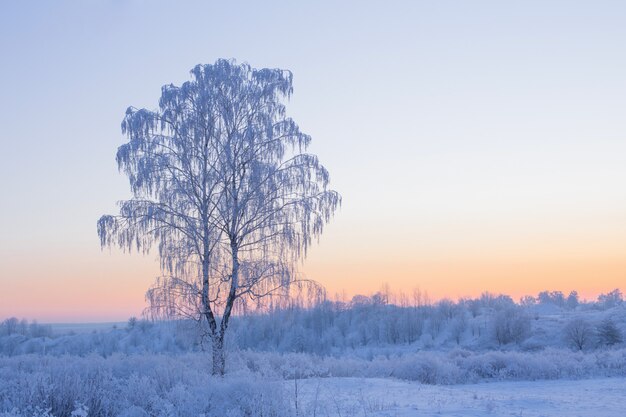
(464, 366)
(578, 333)
(132, 386)
(608, 333)
(510, 325)
(428, 369)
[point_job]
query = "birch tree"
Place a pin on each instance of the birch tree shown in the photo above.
(223, 187)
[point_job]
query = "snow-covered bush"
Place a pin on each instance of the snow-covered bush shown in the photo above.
(578, 333)
(510, 325)
(154, 385)
(608, 333)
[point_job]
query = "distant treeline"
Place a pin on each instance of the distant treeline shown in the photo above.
(487, 322)
(366, 326)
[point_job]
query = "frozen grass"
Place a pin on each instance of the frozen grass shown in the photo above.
(131, 386)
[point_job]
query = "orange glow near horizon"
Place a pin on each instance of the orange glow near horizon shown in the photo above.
(110, 286)
(461, 257)
(458, 279)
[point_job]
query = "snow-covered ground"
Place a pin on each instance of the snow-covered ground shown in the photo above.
(483, 357)
(605, 397)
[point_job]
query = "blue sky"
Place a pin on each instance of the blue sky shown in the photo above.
(468, 139)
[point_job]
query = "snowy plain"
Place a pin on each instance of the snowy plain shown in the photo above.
(378, 397)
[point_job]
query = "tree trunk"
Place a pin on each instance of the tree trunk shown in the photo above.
(219, 356)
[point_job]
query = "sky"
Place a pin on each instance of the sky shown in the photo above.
(477, 145)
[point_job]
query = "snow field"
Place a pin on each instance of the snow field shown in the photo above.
(378, 397)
